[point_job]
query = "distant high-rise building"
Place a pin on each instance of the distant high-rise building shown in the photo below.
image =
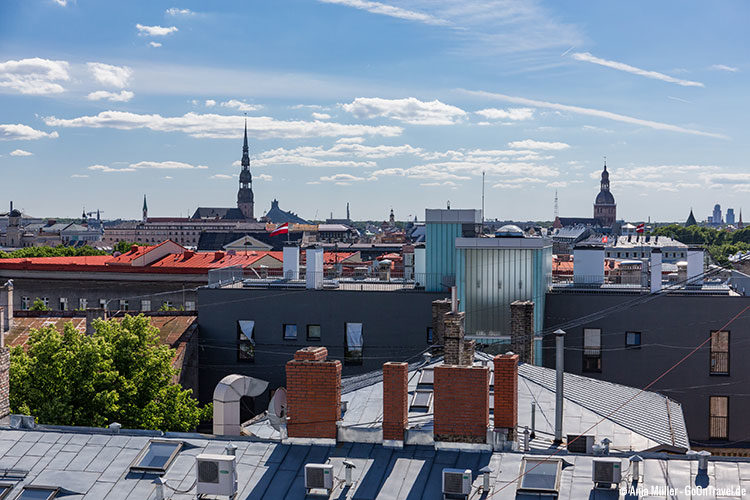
(730, 216)
(605, 208)
(716, 218)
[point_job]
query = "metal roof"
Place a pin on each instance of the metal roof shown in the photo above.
(94, 464)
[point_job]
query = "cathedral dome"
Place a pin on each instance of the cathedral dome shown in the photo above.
(604, 198)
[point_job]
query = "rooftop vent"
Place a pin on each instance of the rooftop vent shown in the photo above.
(580, 444)
(318, 477)
(456, 483)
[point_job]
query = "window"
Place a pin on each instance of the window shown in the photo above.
(124, 305)
(156, 456)
(167, 305)
(45, 301)
(429, 335)
(145, 305)
(313, 332)
(4, 490)
(719, 353)
(290, 332)
(25, 303)
(353, 343)
(102, 303)
(592, 350)
(190, 305)
(421, 400)
(63, 303)
(37, 493)
(83, 304)
(633, 339)
(718, 416)
(539, 474)
(245, 340)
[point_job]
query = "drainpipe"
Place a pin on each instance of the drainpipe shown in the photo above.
(559, 370)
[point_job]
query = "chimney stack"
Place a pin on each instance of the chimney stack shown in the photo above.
(439, 309)
(695, 266)
(313, 386)
(522, 330)
(4, 382)
(291, 263)
(457, 351)
(395, 402)
(506, 394)
(314, 268)
(461, 398)
(655, 270)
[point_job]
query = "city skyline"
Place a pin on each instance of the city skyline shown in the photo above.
(381, 104)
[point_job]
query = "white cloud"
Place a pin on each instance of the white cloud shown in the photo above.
(597, 129)
(61, 3)
(240, 105)
(594, 112)
(18, 132)
(678, 99)
(439, 184)
(587, 57)
(532, 144)
(409, 110)
(79, 176)
(20, 152)
(35, 76)
(222, 176)
(507, 114)
(222, 126)
(155, 30)
(340, 178)
(390, 11)
(321, 116)
(168, 177)
(109, 75)
(263, 177)
(351, 140)
(210, 103)
(122, 96)
(107, 169)
(174, 11)
(155, 45)
(724, 67)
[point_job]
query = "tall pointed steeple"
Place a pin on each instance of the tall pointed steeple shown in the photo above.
(739, 224)
(145, 209)
(691, 219)
(245, 197)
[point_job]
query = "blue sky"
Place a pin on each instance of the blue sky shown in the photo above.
(398, 104)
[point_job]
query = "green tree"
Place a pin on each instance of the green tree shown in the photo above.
(58, 251)
(38, 305)
(120, 373)
(125, 246)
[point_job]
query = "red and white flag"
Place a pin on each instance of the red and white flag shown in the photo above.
(640, 228)
(604, 238)
(281, 229)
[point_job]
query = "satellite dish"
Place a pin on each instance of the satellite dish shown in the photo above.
(277, 409)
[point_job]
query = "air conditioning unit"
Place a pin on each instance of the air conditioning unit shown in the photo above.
(217, 474)
(456, 483)
(580, 444)
(318, 476)
(606, 472)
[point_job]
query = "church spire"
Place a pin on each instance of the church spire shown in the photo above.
(245, 197)
(145, 209)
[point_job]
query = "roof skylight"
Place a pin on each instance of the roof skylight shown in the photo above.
(157, 456)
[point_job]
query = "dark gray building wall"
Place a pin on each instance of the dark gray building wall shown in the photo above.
(394, 328)
(671, 326)
(178, 293)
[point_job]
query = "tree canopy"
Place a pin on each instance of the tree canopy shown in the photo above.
(120, 373)
(58, 251)
(125, 246)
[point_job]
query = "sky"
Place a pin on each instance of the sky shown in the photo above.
(386, 105)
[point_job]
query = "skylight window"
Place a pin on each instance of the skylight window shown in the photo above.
(421, 400)
(157, 456)
(38, 493)
(4, 490)
(427, 377)
(538, 474)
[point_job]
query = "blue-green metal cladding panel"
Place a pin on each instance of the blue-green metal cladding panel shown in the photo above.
(490, 279)
(440, 255)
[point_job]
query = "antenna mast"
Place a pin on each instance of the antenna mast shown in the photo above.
(483, 201)
(557, 208)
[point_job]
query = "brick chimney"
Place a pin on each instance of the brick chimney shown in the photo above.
(439, 309)
(461, 403)
(313, 386)
(522, 330)
(506, 394)
(395, 401)
(457, 350)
